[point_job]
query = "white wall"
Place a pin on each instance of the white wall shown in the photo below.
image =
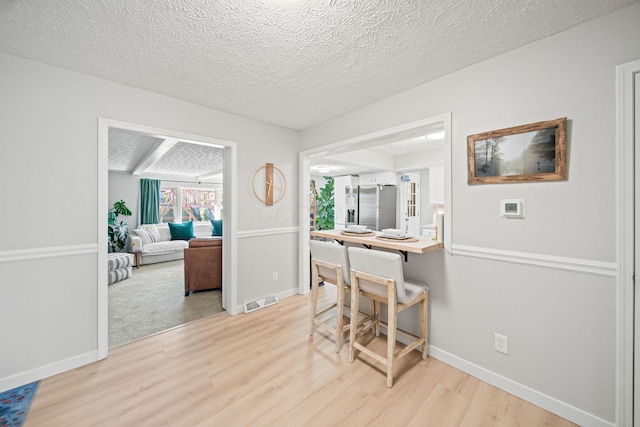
(48, 253)
(560, 323)
(320, 181)
(124, 186)
(426, 209)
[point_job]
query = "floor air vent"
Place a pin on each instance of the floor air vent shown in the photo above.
(256, 304)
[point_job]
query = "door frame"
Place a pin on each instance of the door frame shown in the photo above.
(229, 247)
(625, 258)
(407, 130)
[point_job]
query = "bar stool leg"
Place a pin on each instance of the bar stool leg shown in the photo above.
(376, 317)
(314, 300)
(353, 326)
(339, 312)
(392, 321)
(424, 311)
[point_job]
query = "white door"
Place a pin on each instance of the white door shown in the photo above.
(411, 203)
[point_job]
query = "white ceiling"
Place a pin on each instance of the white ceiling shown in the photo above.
(294, 63)
(163, 158)
(169, 159)
(381, 156)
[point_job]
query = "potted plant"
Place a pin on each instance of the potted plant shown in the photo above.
(117, 231)
(325, 203)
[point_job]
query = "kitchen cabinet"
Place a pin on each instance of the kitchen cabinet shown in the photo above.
(379, 178)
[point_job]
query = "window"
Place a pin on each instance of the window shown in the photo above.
(185, 204)
(198, 205)
(168, 201)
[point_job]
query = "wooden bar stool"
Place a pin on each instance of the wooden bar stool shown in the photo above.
(329, 264)
(378, 275)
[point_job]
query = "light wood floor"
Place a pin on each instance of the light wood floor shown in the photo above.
(263, 369)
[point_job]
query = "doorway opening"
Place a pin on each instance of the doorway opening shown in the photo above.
(224, 173)
(146, 298)
(351, 148)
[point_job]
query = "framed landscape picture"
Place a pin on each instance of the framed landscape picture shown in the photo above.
(533, 152)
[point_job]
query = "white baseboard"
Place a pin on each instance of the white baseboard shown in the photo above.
(535, 397)
(532, 396)
(46, 371)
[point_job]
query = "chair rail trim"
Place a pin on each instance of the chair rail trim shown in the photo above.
(576, 265)
(47, 252)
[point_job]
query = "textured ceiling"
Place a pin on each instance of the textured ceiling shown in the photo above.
(147, 156)
(294, 63)
(126, 149)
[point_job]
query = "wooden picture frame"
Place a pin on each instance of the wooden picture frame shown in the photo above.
(527, 153)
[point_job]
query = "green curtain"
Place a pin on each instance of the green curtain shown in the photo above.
(149, 201)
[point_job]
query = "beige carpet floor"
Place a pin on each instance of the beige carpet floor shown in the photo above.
(153, 300)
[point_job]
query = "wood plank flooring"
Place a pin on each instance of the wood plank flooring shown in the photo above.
(263, 369)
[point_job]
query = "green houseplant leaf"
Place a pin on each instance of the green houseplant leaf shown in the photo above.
(117, 231)
(324, 206)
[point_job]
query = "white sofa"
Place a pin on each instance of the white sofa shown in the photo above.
(155, 245)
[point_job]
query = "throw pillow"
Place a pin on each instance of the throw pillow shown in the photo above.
(142, 234)
(183, 231)
(153, 232)
(216, 224)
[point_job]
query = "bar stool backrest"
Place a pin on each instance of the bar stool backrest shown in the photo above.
(333, 254)
(379, 263)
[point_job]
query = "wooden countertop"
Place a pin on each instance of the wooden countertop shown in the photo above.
(422, 245)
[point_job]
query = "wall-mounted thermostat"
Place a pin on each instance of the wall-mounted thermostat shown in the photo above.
(512, 208)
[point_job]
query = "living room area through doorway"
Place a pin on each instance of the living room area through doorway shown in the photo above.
(190, 179)
(152, 300)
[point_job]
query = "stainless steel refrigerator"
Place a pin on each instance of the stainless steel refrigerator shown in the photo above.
(351, 205)
(377, 206)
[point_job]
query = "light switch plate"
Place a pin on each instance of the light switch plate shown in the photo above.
(512, 208)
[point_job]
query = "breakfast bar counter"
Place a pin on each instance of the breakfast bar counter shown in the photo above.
(417, 245)
(422, 262)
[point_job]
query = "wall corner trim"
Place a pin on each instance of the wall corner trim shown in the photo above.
(626, 160)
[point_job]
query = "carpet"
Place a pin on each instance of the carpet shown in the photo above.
(15, 404)
(153, 300)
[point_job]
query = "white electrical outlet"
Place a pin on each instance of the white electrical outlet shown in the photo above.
(275, 276)
(501, 344)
